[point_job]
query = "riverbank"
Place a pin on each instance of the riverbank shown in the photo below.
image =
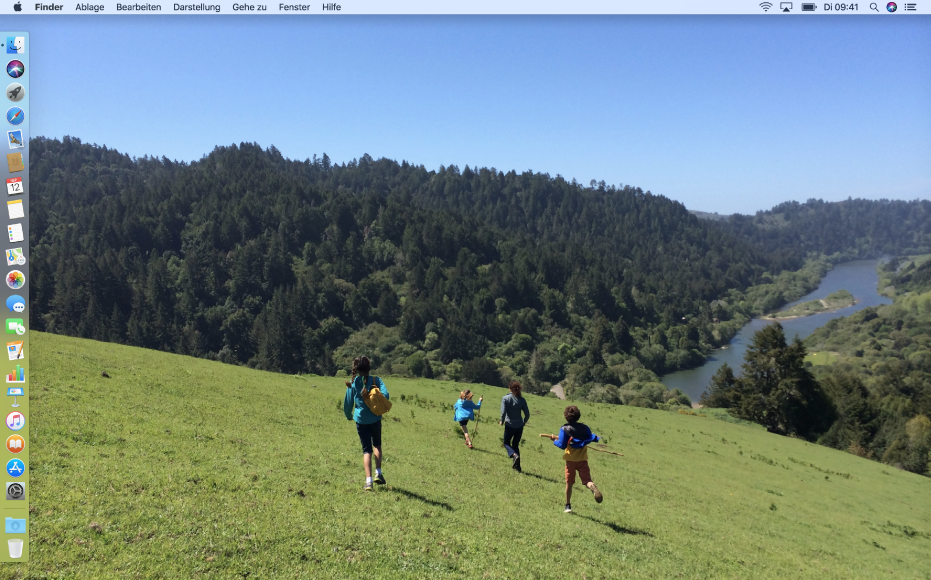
(859, 278)
(832, 303)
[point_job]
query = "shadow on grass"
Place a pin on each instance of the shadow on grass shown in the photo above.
(616, 527)
(485, 451)
(419, 497)
(542, 477)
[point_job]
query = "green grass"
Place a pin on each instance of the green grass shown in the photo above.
(822, 358)
(183, 468)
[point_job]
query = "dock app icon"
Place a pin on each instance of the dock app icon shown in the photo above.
(16, 233)
(15, 491)
(15, 162)
(15, 257)
(15, 526)
(14, 186)
(15, 44)
(15, 139)
(15, 350)
(16, 209)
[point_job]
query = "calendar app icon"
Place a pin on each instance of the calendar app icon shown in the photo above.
(14, 185)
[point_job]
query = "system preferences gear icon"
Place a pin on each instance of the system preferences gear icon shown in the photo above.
(15, 490)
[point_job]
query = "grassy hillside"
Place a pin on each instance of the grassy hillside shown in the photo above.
(184, 468)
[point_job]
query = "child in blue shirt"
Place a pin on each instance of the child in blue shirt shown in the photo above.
(573, 438)
(465, 412)
(368, 424)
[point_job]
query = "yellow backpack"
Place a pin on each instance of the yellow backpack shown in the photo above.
(377, 403)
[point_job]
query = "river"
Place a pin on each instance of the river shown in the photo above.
(858, 277)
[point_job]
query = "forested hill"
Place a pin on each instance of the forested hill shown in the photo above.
(857, 227)
(251, 258)
(245, 254)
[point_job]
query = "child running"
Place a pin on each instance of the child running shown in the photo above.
(368, 424)
(465, 412)
(573, 437)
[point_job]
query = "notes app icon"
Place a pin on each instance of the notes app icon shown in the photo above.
(16, 209)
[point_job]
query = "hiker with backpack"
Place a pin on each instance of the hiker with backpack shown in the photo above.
(514, 416)
(574, 438)
(465, 412)
(365, 401)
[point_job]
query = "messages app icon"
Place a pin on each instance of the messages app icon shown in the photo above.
(16, 303)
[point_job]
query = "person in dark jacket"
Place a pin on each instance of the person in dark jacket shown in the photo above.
(368, 424)
(514, 416)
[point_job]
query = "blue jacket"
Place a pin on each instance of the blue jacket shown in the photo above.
(576, 435)
(355, 408)
(465, 409)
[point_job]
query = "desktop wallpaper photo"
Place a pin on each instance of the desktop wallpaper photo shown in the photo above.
(710, 235)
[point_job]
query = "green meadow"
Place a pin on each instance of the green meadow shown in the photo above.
(175, 467)
(822, 358)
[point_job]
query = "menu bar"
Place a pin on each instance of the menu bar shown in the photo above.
(290, 7)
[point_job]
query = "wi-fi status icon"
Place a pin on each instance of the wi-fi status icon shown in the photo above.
(766, 6)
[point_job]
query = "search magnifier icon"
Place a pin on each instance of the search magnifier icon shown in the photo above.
(873, 6)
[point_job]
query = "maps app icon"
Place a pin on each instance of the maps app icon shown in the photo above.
(16, 303)
(15, 257)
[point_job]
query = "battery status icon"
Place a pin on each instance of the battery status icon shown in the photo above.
(809, 6)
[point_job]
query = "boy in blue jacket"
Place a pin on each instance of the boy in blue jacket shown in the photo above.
(465, 412)
(368, 424)
(573, 438)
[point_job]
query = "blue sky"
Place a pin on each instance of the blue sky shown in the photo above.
(725, 114)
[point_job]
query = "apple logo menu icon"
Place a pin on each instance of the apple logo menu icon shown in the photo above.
(18, 7)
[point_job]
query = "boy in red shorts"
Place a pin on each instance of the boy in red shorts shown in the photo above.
(573, 438)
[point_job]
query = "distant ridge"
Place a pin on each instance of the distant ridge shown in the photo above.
(704, 215)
